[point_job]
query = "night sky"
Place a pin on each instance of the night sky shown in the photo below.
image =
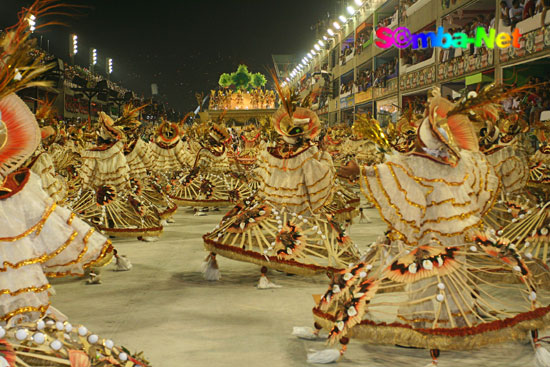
(183, 45)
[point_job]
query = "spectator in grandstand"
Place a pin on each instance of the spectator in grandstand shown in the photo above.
(542, 6)
(528, 8)
(516, 13)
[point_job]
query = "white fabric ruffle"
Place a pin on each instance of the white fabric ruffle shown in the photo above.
(301, 183)
(38, 236)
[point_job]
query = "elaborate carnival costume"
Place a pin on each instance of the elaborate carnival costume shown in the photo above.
(344, 205)
(49, 342)
(505, 153)
(423, 285)
(251, 144)
(139, 161)
(168, 153)
(211, 181)
(38, 238)
(530, 228)
(285, 227)
(107, 197)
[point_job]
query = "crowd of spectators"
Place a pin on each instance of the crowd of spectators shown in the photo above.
(385, 72)
(362, 37)
(387, 21)
(514, 11)
(470, 30)
(364, 80)
(405, 5)
(367, 78)
(347, 87)
(45, 58)
(75, 70)
(529, 102)
(414, 104)
(413, 57)
(347, 50)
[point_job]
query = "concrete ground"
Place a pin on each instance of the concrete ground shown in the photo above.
(164, 308)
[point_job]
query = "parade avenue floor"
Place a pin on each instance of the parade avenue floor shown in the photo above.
(164, 307)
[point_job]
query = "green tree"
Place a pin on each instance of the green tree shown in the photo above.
(258, 80)
(241, 78)
(225, 80)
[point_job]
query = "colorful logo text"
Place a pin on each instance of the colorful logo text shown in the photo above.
(401, 38)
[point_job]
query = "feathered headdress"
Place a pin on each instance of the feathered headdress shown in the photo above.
(291, 121)
(129, 121)
(107, 128)
(45, 112)
(168, 132)
(442, 133)
(19, 131)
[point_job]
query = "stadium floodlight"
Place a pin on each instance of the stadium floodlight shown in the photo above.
(32, 22)
(93, 56)
(74, 45)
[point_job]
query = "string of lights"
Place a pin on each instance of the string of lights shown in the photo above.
(306, 62)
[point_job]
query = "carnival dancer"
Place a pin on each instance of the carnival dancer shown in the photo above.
(38, 238)
(284, 226)
(211, 181)
(107, 198)
(422, 284)
(138, 157)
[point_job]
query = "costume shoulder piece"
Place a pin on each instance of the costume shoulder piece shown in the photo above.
(19, 133)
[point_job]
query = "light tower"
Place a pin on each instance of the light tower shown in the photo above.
(73, 49)
(93, 59)
(109, 67)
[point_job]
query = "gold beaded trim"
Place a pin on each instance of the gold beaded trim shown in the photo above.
(40, 259)
(36, 228)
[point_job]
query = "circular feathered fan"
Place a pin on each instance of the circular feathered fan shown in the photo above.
(138, 206)
(135, 184)
(303, 122)
(423, 262)
(105, 194)
(289, 241)
(19, 133)
(206, 188)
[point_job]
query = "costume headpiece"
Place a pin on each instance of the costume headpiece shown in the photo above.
(168, 132)
(291, 121)
(444, 131)
(107, 128)
(19, 131)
